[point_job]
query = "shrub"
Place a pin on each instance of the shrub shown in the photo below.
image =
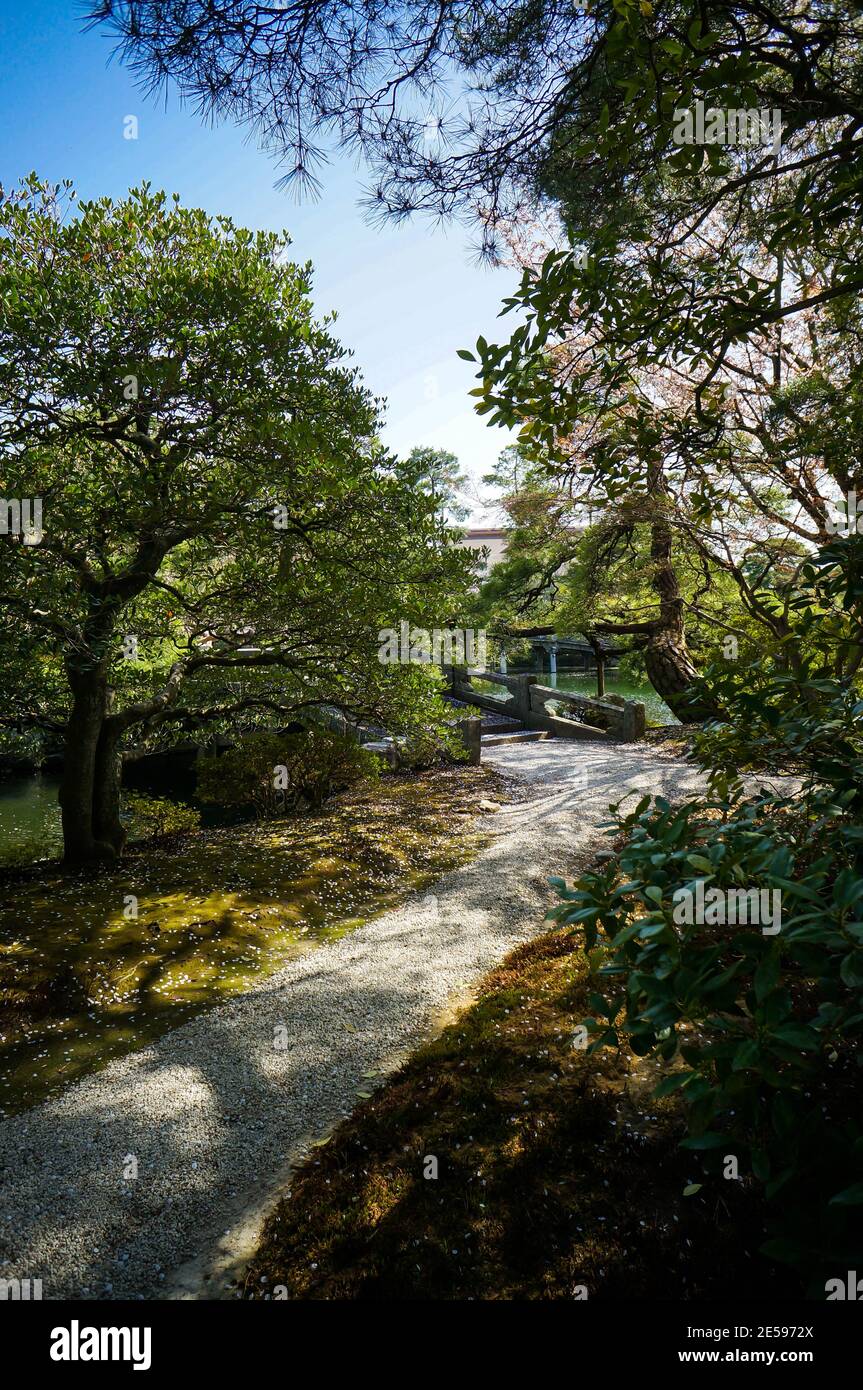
(20, 745)
(158, 816)
(419, 751)
(762, 1031)
(275, 773)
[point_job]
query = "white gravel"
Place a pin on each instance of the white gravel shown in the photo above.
(215, 1113)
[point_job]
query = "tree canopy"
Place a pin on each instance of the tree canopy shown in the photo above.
(223, 536)
(700, 306)
(437, 474)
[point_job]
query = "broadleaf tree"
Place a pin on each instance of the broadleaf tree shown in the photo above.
(222, 535)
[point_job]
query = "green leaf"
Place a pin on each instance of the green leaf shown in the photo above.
(698, 861)
(766, 977)
(851, 1197)
(705, 1141)
(797, 1035)
(669, 1084)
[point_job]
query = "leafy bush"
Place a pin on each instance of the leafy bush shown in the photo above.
(274, 773)
(158, 815)
(20, 745)
(420, 750)
(762, 1032)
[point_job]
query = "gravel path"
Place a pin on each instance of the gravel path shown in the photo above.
(215, 1113)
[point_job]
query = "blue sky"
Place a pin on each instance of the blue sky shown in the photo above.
(407, 297)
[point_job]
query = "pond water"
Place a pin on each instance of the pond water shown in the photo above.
(657, 710)
(83, 979)
(30, 816)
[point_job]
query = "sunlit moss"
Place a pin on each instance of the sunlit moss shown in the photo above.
(82, 982)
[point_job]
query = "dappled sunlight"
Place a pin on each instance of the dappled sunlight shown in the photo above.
(83, 980)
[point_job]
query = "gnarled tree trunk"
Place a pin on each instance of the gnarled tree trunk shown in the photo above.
(670, 669)
(107, 783)
(90, 790)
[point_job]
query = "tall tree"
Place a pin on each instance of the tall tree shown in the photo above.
(509, 472)
(437, 474)
(740, 469)
(222, 537)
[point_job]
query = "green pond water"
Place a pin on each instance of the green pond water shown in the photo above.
(83, 980)
(30, 816)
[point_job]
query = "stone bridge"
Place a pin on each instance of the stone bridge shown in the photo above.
(524, 704)
(576, 654)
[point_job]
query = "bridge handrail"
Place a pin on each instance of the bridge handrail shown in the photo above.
(574, 697)
(625, 719)
(495, 677)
